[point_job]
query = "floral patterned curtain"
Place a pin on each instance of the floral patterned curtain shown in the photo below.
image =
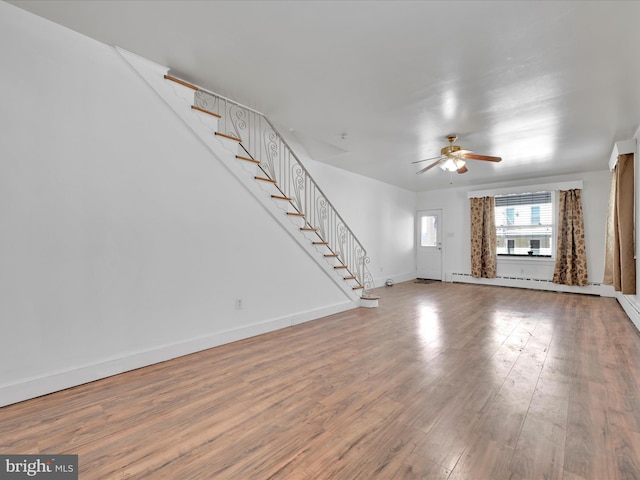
(620, 264)
(483, 238)
(571, 254)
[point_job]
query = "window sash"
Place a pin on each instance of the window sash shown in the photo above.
(525, 224)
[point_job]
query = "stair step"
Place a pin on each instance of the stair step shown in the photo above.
(264, 179)
(235, 139)
(181, 82)
(185, 90)
(247, 159)
(193, 107)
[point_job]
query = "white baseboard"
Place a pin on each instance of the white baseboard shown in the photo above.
(630, 307)
(396, 278)
(55, 381)
(535, 284)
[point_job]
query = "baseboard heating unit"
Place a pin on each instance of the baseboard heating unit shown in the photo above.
(535, 284)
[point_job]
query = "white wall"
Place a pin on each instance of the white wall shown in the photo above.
(455, 206)
(123, 242)
(631, 303)
(382, 216)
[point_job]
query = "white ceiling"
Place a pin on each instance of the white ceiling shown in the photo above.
(548, 86)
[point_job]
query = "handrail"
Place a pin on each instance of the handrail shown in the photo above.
(264, 144)
(307, 172)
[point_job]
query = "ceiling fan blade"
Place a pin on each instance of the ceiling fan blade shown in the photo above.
(463, 169)
(427, 159)
(428, 167)
(486, 158)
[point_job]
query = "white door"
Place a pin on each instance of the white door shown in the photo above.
(429, 256)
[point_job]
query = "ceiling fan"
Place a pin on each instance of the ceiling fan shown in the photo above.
(452, 158)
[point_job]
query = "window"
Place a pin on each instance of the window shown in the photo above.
(429, 231)
(535, 215)
(524, 224)
(510, 216)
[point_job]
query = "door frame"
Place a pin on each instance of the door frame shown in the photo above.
(440, 212)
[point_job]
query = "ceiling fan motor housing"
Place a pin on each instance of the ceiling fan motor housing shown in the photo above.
(453, 158)
(449, 149)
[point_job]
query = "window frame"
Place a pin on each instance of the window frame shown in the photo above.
(553, 187)
(554, 221)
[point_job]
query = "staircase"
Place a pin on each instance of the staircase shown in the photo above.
(264, 156)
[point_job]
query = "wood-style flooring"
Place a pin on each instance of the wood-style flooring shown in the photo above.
(442, 381)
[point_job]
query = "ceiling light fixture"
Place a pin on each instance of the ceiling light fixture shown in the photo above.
(452, 164)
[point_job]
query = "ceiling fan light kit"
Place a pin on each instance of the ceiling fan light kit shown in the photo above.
(452, 158)
(452, 164)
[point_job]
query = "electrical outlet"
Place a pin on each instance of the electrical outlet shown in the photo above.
(238, 304)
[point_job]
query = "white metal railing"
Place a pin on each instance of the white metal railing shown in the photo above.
(263, 143)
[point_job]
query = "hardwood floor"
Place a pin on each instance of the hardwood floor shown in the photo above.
(442, 381)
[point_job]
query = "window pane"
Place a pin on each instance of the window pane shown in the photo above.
(524, 224)
(535, 214)
(429, 231)
(510, 216)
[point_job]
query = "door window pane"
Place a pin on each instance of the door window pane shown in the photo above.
(429, 231)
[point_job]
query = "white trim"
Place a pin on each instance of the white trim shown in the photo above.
(369, 302)
(35, 387)
(418, 242)
(397, 278)
(535, 284)
(518, 259)
(547, 187)
(630, 307)
(620, 148)
(127, 55)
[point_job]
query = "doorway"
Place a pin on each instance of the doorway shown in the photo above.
(429, 251)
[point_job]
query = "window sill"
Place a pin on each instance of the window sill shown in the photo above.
(526, 258)
(515, 255)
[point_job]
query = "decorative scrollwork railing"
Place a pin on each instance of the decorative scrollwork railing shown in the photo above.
(263, 143)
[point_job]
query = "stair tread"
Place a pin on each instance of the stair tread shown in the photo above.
(230, 137)
(266, 178)
(247, 159)
(181, 82)
(193, 107)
